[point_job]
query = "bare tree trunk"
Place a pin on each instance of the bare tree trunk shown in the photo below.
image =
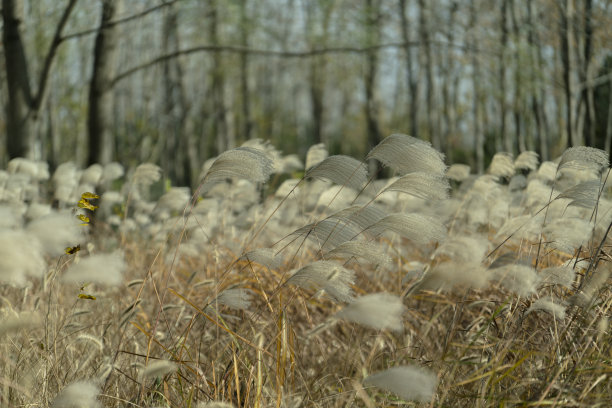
(316, 70)
(608, 142)
(476, 106)
(371, 104)
(503, 106)
(567, 46)
(247, 120)
(536, 105)
(587, 91)
(100, 115)
(448, 107)
(176, 160)
(23, 104)
(411, 76)
(224, 140)
(424, 28)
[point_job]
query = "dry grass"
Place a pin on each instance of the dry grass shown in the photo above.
(284, 349)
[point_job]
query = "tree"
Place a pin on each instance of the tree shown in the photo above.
(100, 116)
(23, 103)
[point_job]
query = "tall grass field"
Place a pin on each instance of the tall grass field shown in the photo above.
(279, 282)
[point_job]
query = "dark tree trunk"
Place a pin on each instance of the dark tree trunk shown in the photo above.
(100, 115)
(411, 77)
(23, 104)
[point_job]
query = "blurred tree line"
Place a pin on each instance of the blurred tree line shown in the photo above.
(177, 82)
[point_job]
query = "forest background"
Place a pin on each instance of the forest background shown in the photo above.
(178, 82)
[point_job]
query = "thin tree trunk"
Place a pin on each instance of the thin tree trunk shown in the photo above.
(587, 92)
(503, 106)
(424, 28)
(567, 45)
(220, 129)
(100, 115)
(176, 160)
(448, 107)
(476, 105)
(247, 121)
(371, 104)
(608, 142)
(411, 77)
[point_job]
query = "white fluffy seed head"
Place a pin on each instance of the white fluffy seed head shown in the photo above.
(158, 369)
(55, 232)
(527, 160)
(410, 383)
(406, 154)
(521, 279)
(378, 311)
(20, 257)
(547, 304)
(327, 275)
(342, 170)
(19, 321)
(146, 174)
(106, 269)
(236, 298)
(77, 395)
(502, 165)
(458, 172)
(315, 155)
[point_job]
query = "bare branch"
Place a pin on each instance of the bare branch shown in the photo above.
(118, 21)
(236, 49)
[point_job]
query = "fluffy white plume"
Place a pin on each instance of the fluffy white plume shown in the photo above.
(458, 172)
(20, 257)
(584, 157)
(77, 395)
(11, 216)
(521, 279)
(547, 304)
(327, 275)
(336, 198)
(329, 233)
(527, 160)
(406, 154)
(502, 165)
(463, 248)
(241, 162)
(92, 175)
(315, 155)
(112, 171)
(146, 174)
(416, 227)
(175, 199)
(106, 269)
(158, 368)
(263, 256)
(368, 251)
(410, 383)
(558, 275)
(214, 404)
(237, 298)
(55, 232)
(378, 311)
(16, 322)
(421, 185)
(547, 171)
(342, 170)
(583, 194)
(447, 275)
(567, 234)
(363, 217)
